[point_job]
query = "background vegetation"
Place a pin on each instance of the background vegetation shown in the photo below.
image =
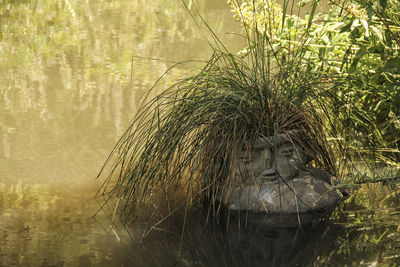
(353, 41)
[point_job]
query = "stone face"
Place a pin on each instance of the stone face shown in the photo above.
(271, 177)
(270, 158)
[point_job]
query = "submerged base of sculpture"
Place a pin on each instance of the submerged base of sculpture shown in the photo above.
(276, 220)
(308, 192)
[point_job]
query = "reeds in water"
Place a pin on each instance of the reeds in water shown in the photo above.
(183, 144)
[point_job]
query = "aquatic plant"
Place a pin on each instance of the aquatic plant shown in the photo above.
(183, 144)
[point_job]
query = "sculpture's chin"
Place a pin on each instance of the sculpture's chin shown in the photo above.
(268, 178)
(304, 193)
(288, 174)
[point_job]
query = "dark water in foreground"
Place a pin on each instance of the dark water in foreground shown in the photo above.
(67, 93)
(363, 231)
(46, 226)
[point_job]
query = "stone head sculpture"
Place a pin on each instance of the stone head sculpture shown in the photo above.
(272, 175)
(268, 158)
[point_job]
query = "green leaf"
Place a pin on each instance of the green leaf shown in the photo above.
(311, 17)
(370, 12)
(360, 54)
(378, 33)
(347, 27)
(364, 23)
(392, 65)
(356, 23)
(383, 3)
(380, 104)
(336, 38)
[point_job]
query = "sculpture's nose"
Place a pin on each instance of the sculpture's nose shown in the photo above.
(269, 161)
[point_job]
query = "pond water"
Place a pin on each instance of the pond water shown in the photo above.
(72, 75)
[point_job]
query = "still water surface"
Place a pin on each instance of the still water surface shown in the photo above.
(68, 89)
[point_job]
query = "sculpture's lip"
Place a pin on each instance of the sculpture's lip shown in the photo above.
(268, 176)
(269, 173)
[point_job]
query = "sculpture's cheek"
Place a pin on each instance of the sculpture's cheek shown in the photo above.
(258, 168)
(287, 167)
(251, 171)
(246, 172)
(241, 173)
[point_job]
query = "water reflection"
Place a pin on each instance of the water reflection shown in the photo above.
(66, 95)
(355, 235)
(45, 225)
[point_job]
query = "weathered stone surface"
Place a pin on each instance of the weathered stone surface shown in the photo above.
(271, 177)
(306, 193)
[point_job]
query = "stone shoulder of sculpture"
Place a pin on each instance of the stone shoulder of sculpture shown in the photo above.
(272, 177)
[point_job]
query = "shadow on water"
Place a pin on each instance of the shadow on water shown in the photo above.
(355, 234)
(46, 225)
(254, 245)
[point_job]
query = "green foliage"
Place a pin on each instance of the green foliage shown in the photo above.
(358, 41)
(374, 69)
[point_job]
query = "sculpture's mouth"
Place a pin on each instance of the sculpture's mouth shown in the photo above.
(269, 175)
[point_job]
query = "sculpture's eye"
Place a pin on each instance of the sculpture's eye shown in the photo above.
(245, 158)
(286, 151)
